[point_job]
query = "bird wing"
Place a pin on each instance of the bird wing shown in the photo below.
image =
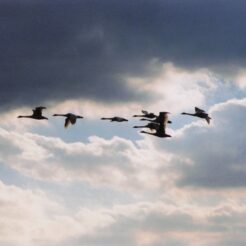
(208, 119)
(161, 129)
(144, 112)
(153, 126)
(38, 111)
(67, 122)
(198, 110)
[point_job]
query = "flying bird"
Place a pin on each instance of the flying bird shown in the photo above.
(162, 118)
(162, 121)
(200, 113)
(146, 114)
(70, 118)
(151, 126)
(36, 114)
(160, 132)
(116, 119)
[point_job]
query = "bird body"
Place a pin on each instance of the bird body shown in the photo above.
(37, 114)
(151, 126)
(115, 119)
(70, 118)
(160, 132)
(199, 113)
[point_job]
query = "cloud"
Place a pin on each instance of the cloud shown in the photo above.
(26, 214)
(175, 88)
(47, 158)
(29, 216)
(86, 49)
(213, 156)
(177, 187)
(161, 224)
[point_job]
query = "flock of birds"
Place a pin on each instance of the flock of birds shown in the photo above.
(157, 123)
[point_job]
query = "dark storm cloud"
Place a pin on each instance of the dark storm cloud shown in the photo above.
(52, 50)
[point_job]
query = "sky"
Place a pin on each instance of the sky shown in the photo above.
(99, 183)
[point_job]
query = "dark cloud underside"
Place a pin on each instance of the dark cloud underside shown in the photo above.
(69, 49)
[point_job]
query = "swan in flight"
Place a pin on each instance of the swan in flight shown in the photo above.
(160, 132)
(161, 119)
(36, 114)
(146, 114)
(162, 123)
(116, 119)
(70, 118)
(200, 113)
(151, 126)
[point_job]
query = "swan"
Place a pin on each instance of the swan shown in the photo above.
(199, 113)
(36, 114)
(70, 118)
(151, 126)
(162, 118)
(146, 114)
(160, 132)
(116, 119)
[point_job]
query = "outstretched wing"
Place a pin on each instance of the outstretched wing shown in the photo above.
(198, 110)
(38, 111)
(67, 122)
(161, 129)
(208, 119)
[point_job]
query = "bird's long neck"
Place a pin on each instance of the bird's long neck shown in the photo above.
(138, 115)
(139, 126)
(189, 114)
(60, 115)
(106, 118)
(148, 120)
(148, 133)
(25, 116)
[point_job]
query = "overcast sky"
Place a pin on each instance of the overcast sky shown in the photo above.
(105, 184)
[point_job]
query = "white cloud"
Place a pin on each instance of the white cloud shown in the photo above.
(117, 162)
(175, 89)
(240, 78)
(216, 152)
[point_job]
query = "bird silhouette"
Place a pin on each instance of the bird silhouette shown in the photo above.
(115, 119)
(161, 129)
(200, 113)
(161, 118)
(146, 114)
(36, 114)
(160, 132)
(152, 126)
(70, 118)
